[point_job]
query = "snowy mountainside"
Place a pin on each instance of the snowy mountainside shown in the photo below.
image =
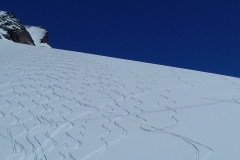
(39, 36)
(57, 104)
(13, 30)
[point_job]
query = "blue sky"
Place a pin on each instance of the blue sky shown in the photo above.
(195, 34)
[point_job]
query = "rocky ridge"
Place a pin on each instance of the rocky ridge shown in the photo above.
(13, 30)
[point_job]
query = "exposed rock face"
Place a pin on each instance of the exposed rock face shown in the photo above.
(45, 38)
(12, 29)
(21, 36)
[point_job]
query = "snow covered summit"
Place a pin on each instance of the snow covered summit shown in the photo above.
(39, 36)
(12, 29)
(57, 104)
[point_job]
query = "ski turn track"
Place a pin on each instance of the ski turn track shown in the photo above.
(57, 104)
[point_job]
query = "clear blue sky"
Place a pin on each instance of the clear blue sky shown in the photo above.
(195, 34)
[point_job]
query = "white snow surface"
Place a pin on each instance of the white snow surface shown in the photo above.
(37, 34)
(57, 104)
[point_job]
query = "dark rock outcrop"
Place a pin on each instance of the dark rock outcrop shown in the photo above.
(14, 29)
(20, 36)
(45, 38)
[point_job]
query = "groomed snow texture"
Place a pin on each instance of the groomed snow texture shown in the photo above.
(57, 104)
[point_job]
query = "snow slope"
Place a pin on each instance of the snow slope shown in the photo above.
(57, 104)
(37, 33)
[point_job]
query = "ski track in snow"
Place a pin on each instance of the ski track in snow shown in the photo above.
(70, 105)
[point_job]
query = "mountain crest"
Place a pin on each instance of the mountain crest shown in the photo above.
(12, 29)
